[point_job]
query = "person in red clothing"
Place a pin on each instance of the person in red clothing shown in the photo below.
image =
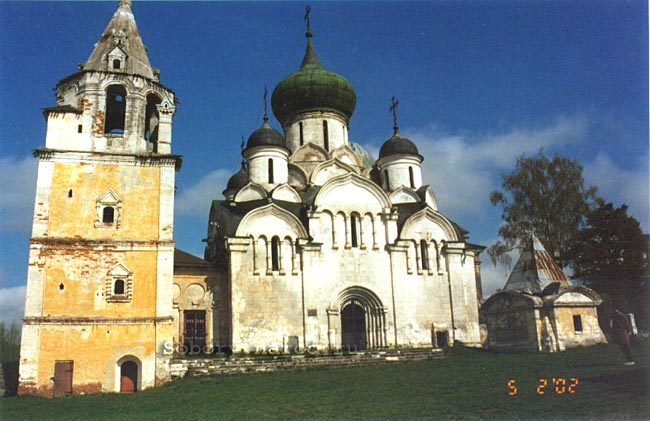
(621, 331)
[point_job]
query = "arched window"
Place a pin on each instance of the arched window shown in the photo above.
(108, 215)
(387, 180)
(270, 167)
(326, 140)
(411, 178)
(302, 138)
(275, 253)
(354, 230)
(115, 109)
(118, 287)
(151, 119)
(424, 254)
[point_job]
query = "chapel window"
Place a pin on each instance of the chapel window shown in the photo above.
(275, 253)
(411, 178)
(115, 113)
(302, 138)
(577, 323)
(354, 230)
(387, 180)
(116, 64)
(424, 254)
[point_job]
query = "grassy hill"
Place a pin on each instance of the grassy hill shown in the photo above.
(468, 384)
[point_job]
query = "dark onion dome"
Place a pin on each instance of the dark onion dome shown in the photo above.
(266, 136)
(397, 145)
(312, 88)
(239, 180)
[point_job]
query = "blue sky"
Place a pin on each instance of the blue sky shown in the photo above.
(479, 83)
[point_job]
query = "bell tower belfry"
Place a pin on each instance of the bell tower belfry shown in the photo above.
(98, 309)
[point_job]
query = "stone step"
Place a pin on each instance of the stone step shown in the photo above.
(244, 364)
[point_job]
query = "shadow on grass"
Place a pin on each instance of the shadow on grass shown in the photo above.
(635, 381)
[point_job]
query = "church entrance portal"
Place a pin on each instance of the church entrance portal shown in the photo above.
(353, 327)
(361, 317)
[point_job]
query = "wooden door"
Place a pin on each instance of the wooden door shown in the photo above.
(129, 377)
(353, 327)
(63, 371)
(194, 330)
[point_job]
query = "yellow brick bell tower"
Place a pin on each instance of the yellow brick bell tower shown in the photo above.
(98, 309)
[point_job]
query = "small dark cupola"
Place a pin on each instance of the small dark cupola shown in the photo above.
(267, 155)
(266, 136)
(236, 182)
(399, 160)
(397, 144)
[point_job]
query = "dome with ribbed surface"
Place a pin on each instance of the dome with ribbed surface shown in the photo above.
(397, 145)
(266, 136)
(312, 88)
(363, 153)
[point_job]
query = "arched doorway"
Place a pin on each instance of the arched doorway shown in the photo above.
(353, 327)
(128, 377)
(361, 317)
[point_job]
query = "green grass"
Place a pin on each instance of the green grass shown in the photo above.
(468, 384)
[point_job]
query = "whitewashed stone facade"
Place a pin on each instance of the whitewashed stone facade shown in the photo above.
(326, 248)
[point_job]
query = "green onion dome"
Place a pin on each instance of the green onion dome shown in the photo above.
(266, 136)
(312, 88)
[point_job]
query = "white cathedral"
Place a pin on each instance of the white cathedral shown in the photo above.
(322, 246)
(315, 246)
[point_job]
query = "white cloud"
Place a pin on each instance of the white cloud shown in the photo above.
(464, 168)
(620, 186)
(195, 200)
(12, 304)
(17, 191)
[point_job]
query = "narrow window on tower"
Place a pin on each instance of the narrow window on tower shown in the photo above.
(115, 113)
(302, 138)
(275, 253)
(424, 254)
(387, 180)
(108, 215)
(354, 230)
(151, 120)
(118, 287)
(326, 140)
(270, 167)
(411, 178)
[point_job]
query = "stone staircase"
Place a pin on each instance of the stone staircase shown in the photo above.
(236, 364)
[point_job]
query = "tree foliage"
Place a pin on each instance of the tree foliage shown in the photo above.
(9, 342)
(543, 196)
(611, 252)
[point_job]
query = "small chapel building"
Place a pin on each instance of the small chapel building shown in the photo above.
(539, 309)
(315, 245)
